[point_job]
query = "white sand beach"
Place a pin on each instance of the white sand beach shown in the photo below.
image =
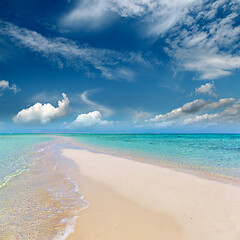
(135, 200)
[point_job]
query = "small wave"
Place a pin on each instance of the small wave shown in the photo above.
(85, 203)
(11, 176)
(73, 182)
(70, 223)
(68, 194)
(41, 150)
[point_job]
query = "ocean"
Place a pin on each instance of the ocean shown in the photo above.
(217, 154)
(40, 200)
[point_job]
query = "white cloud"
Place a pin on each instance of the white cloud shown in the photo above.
(89, 119)
(88, 13)
(43, 113)
(45, 96)
(200, 118)
(207, 88)
(198, 40)
(230, 114)
(232, 111)
(209, 45)
(119, 73)
(5, 85)
(158, 16)
(106, 111)
(187, 108)
(221, 103)
(210, 65)
(139, 115)
(64, 52)
(194, 107)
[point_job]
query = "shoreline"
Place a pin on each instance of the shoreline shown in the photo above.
(178, 168)
(40, 201)
(192, 202)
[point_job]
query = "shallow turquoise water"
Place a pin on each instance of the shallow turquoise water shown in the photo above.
(14, 152)
(38, 198)
(212, 153)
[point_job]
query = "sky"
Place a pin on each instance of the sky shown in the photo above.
(120, 66)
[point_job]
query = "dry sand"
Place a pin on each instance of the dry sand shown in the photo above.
(134, 200)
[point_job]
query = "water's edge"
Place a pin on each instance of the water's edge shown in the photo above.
(41, 201)
(176, 167)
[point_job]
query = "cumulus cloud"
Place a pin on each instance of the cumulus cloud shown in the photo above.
(6, 85)
(207, 88)
(89, 119)
(43, 113)
(64, 52)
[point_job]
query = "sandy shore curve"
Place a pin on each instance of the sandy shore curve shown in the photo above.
(134, 200)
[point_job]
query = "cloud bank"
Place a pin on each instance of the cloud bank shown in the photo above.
(230, 114)
(190, 113)
(187, 108)
(43, 113)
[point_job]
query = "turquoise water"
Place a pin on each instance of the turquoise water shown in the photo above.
(14, 152)
(39, 200)
(211, 153)
(38, 197)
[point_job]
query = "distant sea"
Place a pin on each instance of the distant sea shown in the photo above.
(217, 154)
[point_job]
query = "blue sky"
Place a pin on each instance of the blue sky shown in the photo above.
(119, 66)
